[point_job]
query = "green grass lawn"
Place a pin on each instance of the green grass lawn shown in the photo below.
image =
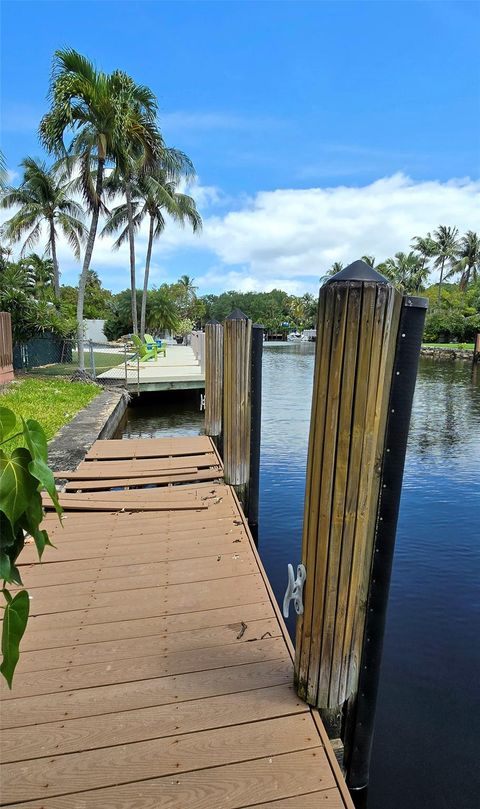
(461, 346)
(103, 362)
(51, 402)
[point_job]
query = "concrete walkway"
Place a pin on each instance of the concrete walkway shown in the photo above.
(179, 370)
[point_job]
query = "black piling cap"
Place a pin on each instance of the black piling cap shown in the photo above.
(415, 302)
(212, 322)
(358, 271)
(237, 314)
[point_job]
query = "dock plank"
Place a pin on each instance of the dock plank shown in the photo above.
(138, 761)
(127, 696)
(131, 648)
(142, 668)
(270, 778)
(138, 482)
(156, 671)
(36, 639)
(162, 721)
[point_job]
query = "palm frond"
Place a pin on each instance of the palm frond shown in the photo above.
(72, 233)
(31, 239)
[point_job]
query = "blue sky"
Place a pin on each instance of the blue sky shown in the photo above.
(275, 100)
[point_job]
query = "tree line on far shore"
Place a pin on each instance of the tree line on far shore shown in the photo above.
(27, 291)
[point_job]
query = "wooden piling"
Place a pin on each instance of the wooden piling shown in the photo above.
(356, 336)
(214, 381)
(237, 343)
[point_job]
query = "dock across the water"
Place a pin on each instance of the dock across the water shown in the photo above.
(156, 671)
(180, 369)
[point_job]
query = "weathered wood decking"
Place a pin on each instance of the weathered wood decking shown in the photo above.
(156, 670)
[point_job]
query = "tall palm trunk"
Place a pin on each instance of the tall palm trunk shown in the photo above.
(53, 253)
(442, 266)
(86, 261)
(145, 279)
(465, 277)
(131, 241)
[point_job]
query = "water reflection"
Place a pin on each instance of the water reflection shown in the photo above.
(426, 734)
(446, 408)
(172, 413)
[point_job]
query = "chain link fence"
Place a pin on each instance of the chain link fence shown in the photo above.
(51, 356)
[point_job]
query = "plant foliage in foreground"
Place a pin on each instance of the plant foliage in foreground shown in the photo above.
(24, 472)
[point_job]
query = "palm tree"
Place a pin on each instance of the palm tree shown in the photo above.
(425, 246)
(134, 177)
(3, 172)
(109, 115)
(337, 266)
(42, 271)
(446, 249)
(154, 195)
(468, 259)
(406, 271)
(44, 199)
(370, 260)
(163, 311)
(187, 287)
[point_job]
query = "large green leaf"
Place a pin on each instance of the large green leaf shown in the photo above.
(36, 439)
(17, 486)
(14, 624)
(5, 567)
(7, 422)
(7, 534)
(11, 544)
(31, 520)
(37, 444)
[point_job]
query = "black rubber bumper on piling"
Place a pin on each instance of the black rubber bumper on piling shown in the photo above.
(256, 425)
(360, 736)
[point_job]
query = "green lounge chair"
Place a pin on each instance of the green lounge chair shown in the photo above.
(143, 352)
(157, 344)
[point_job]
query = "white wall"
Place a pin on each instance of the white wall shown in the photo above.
(94, 331)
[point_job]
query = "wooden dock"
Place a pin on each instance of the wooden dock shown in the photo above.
(156, 670)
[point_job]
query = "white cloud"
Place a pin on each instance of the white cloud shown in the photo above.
(288, 238)
(294, 235)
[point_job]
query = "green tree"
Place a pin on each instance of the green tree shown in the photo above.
(3, 172)
(272, 309)
(42, 272)
(468, 259)
(44, 199)
(337, 266)
(109, 115)
(445, 251)
(406, 271)
(32, 313)
(310, 307)
(155, 196)
(97, 302)
(425, 247)
(163, 314)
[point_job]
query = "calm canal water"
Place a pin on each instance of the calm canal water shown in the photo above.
(428, 717)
